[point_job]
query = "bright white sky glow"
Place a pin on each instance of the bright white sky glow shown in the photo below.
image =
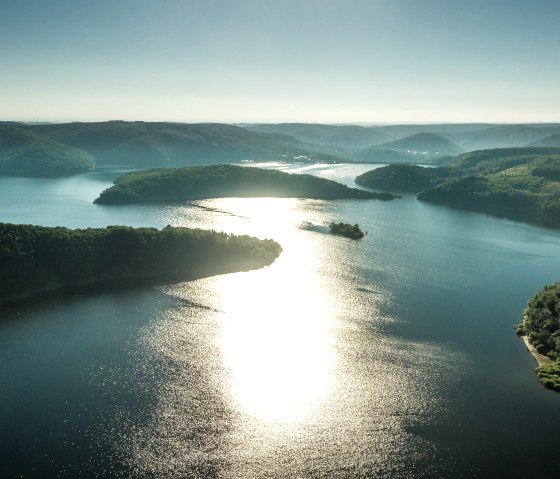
(283, 60)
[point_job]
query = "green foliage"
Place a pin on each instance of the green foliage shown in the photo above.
(549, 375)
(541, 324)
(216, 181)
(410, 178)
(547, 167)
(542, 321)
(35, 259)
(25, 154)
(347, 230)
(511, 194)
(477, 160)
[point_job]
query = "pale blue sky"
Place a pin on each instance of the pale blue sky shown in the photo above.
(285, 60)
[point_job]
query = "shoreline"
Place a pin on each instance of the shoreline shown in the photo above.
(541, 358)
(131, 281)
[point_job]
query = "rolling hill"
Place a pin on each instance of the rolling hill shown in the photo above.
(552, 140)
(43, 149)
(422, 146)
(25, 154)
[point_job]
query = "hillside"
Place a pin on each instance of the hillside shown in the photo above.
(218, 181)
(529, 192)
(423, 146)
(498, 158)
(376, 155)
(465, 136)
(344, 136)
(145, 144)
(409, 178)
(25, 154)
(552, 140)
(504, 136)
(517, 183)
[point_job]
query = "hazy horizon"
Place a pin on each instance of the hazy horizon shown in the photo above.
(243, 123)
(249, 61)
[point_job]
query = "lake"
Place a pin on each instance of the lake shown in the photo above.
(392, 357)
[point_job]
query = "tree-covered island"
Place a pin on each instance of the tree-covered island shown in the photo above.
(36, 260)
(219, 181)
(347, 230)
(541, 328)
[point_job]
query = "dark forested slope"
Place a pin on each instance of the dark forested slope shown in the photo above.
(23, 153)
(517, 183)
(35, 259)
(217, 181)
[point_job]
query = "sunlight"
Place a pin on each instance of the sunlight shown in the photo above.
(275, 336)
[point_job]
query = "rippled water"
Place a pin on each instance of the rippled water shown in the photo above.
(393, 356)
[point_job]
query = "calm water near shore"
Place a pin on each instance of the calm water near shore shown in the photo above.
(392, 357)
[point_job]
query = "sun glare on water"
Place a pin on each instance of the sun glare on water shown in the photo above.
(275, 335)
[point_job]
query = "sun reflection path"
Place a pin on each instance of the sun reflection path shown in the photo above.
(275, 335)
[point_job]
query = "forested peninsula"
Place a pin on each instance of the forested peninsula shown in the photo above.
(541, 328)
(219, 181)
(516, 183)
(37, 260)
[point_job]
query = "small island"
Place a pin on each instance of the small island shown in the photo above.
(222, 181)
(540, 329)
(347, 230)
(36, 261)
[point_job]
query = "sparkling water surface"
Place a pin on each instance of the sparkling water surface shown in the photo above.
(393, 356)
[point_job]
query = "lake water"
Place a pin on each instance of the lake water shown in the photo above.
(391, 357)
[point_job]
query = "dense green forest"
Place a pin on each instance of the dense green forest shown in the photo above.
(517, 183)
(410, 178)
(541, 325)
(36, 259)
(25, 154)
(528, 192)
(347, 230)
(217, 181)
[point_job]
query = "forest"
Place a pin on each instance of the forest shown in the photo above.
(37, 259)
(516, 183)
(541, 325)
(218, 181)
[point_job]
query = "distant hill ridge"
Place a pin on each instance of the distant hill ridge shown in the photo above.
(428, 145)
(51, 149)
(151, 144)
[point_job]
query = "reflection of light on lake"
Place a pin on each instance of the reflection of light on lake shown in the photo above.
(275, 334)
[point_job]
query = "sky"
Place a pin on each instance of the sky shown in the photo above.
(318, 61)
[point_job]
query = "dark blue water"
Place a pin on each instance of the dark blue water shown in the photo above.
(389, 357)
